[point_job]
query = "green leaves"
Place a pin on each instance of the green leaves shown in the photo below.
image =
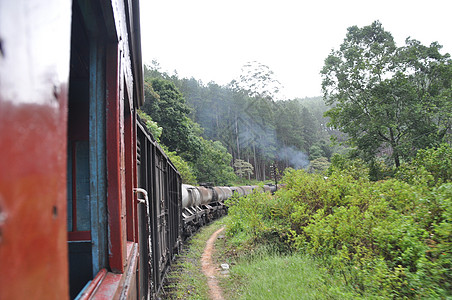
(166, 106)
(431, 167)
(196, 158)
(152, 126)
(388, 100)
(213, 163)
(243, 168)
(389, 238)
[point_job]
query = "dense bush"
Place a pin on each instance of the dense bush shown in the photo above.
(252, 220)
(186, 171)
(431, 167)
(390, 238)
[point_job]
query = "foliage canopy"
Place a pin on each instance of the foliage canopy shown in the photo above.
(166, 106)
(243, 168)
(166, 116)
(388, 98)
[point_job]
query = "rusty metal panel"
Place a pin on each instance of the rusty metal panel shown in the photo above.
(34, 71)
(206, 194)
(220, 193)
(144, 222)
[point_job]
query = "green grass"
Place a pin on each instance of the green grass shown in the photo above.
(283, 277)
(255, 273)
(186, 280)
(259, 271)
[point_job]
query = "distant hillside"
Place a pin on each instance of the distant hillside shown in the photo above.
(257, 129)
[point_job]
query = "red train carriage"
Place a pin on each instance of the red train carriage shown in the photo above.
(70, 83)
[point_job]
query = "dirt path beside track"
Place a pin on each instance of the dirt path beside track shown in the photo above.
(208, 268)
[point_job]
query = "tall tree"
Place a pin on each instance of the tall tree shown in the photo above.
(213, 165)
(388, 98)
(243, 168)
(258, 80)
(309, 129)
(166, 106)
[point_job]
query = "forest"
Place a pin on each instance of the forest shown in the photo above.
(381, 103)
(247, 127)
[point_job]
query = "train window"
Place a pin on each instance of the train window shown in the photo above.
(79, 216)
(83, 216)
(86, 170)
(78, 189)
(78, 174)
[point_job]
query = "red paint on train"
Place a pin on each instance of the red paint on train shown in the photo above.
(33, 247)
(33, 116)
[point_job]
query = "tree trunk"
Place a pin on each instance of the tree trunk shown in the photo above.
(217, 122)
(395, 152)
(396, 158)
(248, 160)
(237, 136)
(256, 167)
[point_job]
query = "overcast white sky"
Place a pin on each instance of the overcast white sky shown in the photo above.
(211, 40)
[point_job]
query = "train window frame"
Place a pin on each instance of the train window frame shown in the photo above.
(88, 249)
(80, 207)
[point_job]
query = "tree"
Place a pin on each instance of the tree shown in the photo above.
(243, 168)
(289, 126)
(152, 126)
(319, 165)
(308, 129)
(388, 99)
(258, 80)
(166, 106)
(181, 165)
(184, 168)
(213, 165)
(315, 152)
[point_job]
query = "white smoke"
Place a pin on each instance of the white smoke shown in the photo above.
(296, 158)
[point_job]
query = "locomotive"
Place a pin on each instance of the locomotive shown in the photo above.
(90, 205)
